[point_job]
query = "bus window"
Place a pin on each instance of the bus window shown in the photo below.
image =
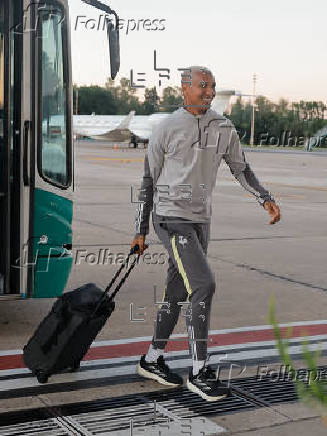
(53, 148)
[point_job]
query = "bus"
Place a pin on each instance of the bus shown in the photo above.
(36, 145)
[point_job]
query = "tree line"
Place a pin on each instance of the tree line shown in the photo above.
(121, 99)
(275, 123)
(282, 123)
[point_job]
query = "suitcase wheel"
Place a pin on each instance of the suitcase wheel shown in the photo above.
(42, 377)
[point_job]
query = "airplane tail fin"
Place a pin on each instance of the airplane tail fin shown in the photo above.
(126, 121)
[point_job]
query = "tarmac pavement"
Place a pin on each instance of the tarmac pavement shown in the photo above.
(251, 259)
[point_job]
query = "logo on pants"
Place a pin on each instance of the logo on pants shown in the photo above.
(182, 240)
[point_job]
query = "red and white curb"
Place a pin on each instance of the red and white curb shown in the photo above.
(240, 344)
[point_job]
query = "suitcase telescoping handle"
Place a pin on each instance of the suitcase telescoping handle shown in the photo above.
(120, 284)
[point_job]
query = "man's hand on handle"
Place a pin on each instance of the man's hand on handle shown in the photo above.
(273, 211)
(140, 241)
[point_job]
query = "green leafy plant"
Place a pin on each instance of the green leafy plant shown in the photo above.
(314, 390)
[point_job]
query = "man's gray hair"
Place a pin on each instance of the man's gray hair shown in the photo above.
(187, 73)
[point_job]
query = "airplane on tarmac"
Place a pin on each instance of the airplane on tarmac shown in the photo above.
(121, 128)
(116, 128)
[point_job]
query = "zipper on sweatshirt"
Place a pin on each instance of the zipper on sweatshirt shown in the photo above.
(199, 131)
(199, 134)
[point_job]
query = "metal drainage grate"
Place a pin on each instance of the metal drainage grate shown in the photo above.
(145, 419)
(49, 427)
(265, 390)
(187, 404)
(150, 413)
(271, 390)
(142, 419)
(120, 418)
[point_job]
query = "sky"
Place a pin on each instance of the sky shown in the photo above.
(284, 42)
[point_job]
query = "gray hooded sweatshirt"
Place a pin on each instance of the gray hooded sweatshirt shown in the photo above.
(180, 168)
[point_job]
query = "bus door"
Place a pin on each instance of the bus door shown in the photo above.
(52, 206)
(13, 278)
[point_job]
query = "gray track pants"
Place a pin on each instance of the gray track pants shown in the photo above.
(190, 282)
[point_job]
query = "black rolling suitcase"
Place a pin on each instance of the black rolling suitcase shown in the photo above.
(66, 333)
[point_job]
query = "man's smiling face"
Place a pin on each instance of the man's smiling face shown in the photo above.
(199, 94)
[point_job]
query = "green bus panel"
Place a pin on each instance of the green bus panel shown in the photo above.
(51, 275)
(53, 216)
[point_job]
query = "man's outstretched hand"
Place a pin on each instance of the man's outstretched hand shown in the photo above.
(273, 211)
(140, 241)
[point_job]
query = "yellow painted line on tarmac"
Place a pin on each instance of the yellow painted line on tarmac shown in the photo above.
(312, 188)
(119, 159)
(280, 195)
(286, 185)
(300, 197)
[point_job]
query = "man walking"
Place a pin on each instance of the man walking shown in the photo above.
(180, 169)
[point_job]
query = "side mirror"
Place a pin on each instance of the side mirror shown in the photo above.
(114, 49)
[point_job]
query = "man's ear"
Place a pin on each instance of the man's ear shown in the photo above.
(185, 89)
